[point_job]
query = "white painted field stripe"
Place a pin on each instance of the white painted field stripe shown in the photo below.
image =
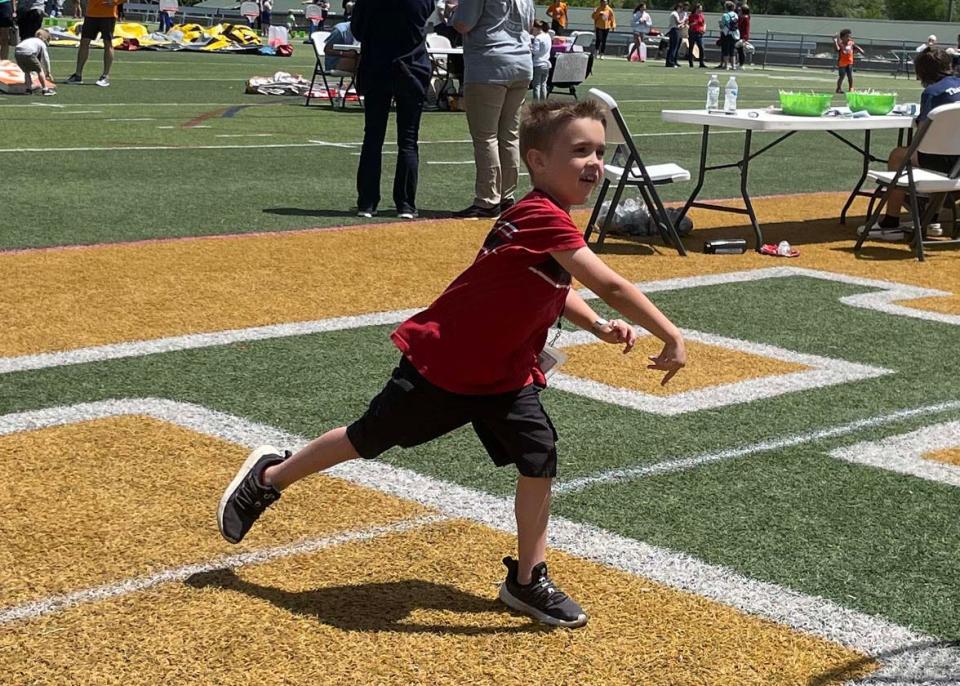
(58, 603)
(881, 300)
(254, 146)
(907, 657)
(131, 119)
(334, 145)
(685, 463)
(78, 112)
(130, 104)
(451, 162)
(127, 148)
(904, 454)
(243, 135)
(201, 340)
(821, 372)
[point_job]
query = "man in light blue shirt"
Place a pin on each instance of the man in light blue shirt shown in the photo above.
(497, 72)
(339, 60)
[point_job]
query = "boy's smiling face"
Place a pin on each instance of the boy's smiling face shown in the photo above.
(573, 165)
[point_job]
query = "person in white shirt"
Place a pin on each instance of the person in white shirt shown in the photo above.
(540, 47)
(930, 44)
(677, 22)
(33, 58)
(641, 23)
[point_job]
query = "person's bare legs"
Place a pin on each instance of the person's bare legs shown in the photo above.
(107, 57)
(4, 43)
(82, 55)
(532, 509)
(321, 453)
(895, 201)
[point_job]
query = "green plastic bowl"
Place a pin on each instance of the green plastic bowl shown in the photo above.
(804, 104)
(872, 103)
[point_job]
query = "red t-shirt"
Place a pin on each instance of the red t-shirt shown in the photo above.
(484, 333)
(743, 25)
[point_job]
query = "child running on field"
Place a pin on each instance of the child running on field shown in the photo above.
(472, 356)
(845, 50)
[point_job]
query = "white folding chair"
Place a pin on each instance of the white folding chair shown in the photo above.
(569, 71)
(937, 135)
(633, 173)
(319, 39)
(584, 39)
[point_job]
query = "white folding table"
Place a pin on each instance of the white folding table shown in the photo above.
(750, 120)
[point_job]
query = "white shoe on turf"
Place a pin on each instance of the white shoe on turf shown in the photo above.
(878, 233)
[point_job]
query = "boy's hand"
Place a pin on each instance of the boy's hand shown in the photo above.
(616, 332)
(671, 359)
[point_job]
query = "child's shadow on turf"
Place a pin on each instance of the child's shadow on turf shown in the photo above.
(371, 606)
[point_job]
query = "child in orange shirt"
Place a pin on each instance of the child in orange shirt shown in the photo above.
(845, 49)
(603, 22)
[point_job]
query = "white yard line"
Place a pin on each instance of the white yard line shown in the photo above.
(670, 466)
(131, 119)
(243, 135)
(906, 656)
(882, 299)
(308, 144)
(57, 603)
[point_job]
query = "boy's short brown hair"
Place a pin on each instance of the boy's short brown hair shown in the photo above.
(542, 121)
(43, 35)
(932, 64)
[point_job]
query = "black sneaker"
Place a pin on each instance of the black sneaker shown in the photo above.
(477, 212)
(74, 78)
(507, 204)
(247, 497)
(541, 599)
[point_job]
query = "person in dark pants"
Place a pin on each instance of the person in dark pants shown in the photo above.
(697, 24)
(394, 67)
(677, 22)
(30, 17)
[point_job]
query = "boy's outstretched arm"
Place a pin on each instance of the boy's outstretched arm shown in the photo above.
(626, 299)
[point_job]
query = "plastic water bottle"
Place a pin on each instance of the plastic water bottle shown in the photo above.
(730, 96)
(713, 94)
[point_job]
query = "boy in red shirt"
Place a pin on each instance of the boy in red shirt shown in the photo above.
(845, 49)
(472, 356)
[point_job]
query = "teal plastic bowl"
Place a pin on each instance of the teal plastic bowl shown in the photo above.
(804, 104)
(872, 103)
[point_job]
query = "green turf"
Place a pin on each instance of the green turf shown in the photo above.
(876, 541)
(111, 195)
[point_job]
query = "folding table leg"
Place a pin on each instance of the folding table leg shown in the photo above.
(701, 172)
(863, 176)
(744, 172)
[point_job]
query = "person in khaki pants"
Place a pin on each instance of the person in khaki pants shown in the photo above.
(498, 69)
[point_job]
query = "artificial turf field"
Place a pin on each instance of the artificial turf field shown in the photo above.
(786, 512)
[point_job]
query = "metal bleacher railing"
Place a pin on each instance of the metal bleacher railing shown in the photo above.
(779, 49)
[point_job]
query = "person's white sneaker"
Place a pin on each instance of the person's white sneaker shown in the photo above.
(103, 81)
(935, 230)
(877, 232)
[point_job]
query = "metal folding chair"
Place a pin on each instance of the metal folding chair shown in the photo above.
(937, 135)
(633, 173)
(319, 39)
